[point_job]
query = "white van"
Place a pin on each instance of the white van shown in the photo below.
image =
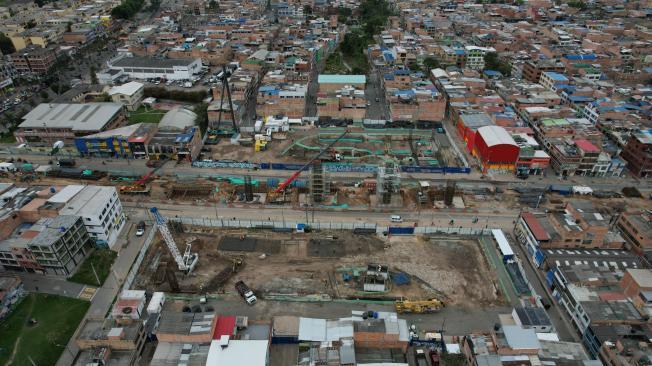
(396, 218)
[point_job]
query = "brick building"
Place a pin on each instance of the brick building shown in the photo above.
(638, 154)
(34, 59)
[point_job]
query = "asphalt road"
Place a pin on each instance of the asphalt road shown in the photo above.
(377, 108)
(439, 218)
(138, 168)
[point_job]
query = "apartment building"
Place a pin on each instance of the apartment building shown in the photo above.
(532, 69)
(100, 208)
(110, 341)
(59, 244)
(129, 94)
(552, 80)
(638, 154)
(475, 56)
(578, 225)
(34, 59)
(637, 230)
(282, 99)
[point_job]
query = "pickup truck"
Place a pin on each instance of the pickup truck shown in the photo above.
(246, 293)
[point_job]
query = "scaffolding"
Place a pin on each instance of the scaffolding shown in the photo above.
(248, 188)
(319, 185)
(449, 193)
(388, 182)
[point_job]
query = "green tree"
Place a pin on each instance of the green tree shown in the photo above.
(579, 4)
(6, 47)
(30, 24)
(493, 62)
(430, 63)
(201, 110)
(69, 27)
(214, 6)
(93, 75)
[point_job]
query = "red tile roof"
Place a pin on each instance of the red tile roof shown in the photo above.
(586, 145)
(225, 326)
(535, 226)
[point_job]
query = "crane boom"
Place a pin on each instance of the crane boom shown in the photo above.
(296, 174)
(185, 262)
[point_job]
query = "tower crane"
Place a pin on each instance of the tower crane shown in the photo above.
(188, 261)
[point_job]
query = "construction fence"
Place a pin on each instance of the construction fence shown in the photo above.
(328, 167)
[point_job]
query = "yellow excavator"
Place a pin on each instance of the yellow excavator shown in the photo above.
(418, 306)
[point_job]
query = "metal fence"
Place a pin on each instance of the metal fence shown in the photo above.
(262, 224)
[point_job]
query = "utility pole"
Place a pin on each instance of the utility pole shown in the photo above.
(96, 276)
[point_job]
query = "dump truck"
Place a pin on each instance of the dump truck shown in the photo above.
(418, 306)
(246, 293)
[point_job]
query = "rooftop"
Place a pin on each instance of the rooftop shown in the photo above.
(178, 118)
(643, 277)
(90, 201)
(78, 117)
(341, 79)
(150, 62)
(496, 135)
(129, 88)
(238, 352)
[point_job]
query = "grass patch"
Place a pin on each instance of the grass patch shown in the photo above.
(146, 115)
(7, 138)
(102, 260)
(57, 318)
(334, 64)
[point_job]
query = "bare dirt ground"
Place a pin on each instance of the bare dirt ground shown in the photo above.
(295, 264)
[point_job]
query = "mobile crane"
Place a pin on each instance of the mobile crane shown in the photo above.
(188, 261)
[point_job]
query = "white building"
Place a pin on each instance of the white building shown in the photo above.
(475, 56)
(550, 80)
(238, 352)
(148, 67)
(129, 94)
(99, 207)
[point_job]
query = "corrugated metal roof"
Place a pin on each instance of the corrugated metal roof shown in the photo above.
(496, 135)
(535, 226)
(66, 194)
(341, 79)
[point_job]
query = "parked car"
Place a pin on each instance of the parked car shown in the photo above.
(140, 228)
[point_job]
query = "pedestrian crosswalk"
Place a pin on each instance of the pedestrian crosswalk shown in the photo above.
(87, 293)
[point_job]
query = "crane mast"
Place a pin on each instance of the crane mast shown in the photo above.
(185, 262)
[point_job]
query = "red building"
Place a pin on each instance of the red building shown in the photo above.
(495, 148)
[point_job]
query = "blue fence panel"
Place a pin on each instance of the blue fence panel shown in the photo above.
(401, 230)
(539, 257)
(550, 275)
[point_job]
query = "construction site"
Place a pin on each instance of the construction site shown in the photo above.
(322, 265)
(360, 146)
